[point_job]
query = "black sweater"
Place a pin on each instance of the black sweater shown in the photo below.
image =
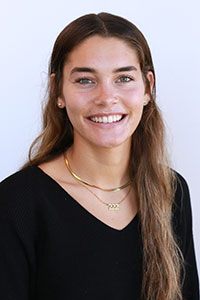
(51, 248)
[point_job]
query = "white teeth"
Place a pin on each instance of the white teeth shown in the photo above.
(108, 119)
(118, 117)
(105, 120)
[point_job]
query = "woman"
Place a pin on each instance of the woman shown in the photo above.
(97, 213)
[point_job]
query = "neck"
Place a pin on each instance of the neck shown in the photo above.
(104, 167)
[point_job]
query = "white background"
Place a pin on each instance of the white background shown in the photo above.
(28, 30)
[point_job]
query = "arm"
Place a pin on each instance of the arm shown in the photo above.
(183, 230)
(16, 241)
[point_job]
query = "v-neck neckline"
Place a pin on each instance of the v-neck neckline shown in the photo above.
(83, 209)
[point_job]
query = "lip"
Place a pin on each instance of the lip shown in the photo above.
(100, 115)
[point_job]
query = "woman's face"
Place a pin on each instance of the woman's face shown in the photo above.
(103, 91)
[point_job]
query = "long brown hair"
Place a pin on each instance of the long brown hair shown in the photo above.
(154, 180)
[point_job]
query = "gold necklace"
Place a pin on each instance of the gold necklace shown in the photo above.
(92, 185)
(111, 206)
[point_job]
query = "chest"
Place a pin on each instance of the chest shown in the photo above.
(113, 209)
(81, 256)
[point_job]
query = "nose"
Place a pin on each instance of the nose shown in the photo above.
(106, 95)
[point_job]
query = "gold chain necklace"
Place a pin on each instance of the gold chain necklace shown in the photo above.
(92, 185)
(111, 206)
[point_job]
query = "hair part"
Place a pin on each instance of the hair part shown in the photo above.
(149, 166)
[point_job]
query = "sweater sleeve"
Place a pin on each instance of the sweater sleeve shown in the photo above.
(184, 233)
(17, 253)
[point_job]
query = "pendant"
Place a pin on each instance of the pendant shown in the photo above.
(113, 206)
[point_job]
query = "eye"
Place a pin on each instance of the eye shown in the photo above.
(84, 81)
(124, 78)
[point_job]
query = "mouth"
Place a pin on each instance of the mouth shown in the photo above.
(107, 119)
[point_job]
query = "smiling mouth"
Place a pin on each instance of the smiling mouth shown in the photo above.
(107, 119)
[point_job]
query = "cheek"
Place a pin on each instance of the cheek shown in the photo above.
(74, 103)
(134, 99)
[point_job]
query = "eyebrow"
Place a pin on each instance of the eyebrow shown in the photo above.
(87, 70)
(124, 69)
(91, 70)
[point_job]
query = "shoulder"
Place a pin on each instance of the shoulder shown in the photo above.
(181, 188)
(181, 211)
(182, 195)
(18, 191)
(19, 181)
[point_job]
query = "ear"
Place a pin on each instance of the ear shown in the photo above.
(151, 80)
(60, 101)
(51, 81)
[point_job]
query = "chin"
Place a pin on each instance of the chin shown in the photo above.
(109, 144)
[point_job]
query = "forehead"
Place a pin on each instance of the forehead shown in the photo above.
(100, 51)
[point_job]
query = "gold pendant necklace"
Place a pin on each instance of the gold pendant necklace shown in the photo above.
(92, 185)
(111, 206)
